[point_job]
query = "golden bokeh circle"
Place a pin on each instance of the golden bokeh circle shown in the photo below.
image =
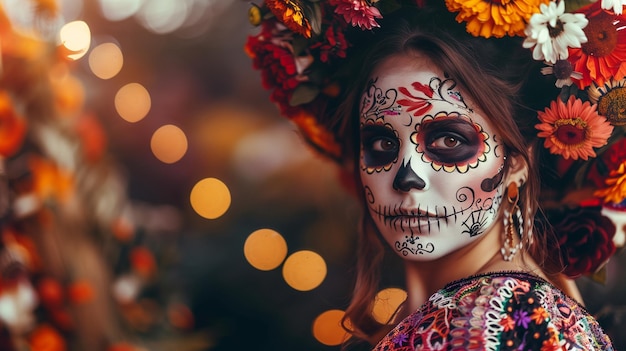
(265, 249)
(210, 198)
(132, 102)
(327, 328)
(386, 304)
(304, 270)
(106, 60)
(169, 143)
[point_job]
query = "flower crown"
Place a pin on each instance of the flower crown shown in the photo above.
(303, 45)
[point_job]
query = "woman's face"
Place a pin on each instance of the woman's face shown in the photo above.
(431, 164)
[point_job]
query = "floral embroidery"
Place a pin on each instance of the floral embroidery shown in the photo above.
(531, 314)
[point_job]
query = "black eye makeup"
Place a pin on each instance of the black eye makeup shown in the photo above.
(449, 140)
(379, 144)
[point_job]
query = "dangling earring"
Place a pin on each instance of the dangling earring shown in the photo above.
(512, 219)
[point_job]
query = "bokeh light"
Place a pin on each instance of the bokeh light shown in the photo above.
(386, 304)
(265, 249)
(117, 10)
(132, 102)
(327, 328)
(210, 198)
(106, 60)
(304, 270)
(76, 37)
(168, 143)
(162, 16)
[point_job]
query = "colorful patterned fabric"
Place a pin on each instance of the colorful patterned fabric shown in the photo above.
(498, 311)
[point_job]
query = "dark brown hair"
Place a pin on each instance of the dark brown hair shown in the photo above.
(496, 73)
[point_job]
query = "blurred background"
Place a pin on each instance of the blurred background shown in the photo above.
(153, 198)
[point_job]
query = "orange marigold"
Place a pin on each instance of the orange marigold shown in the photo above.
(615, 192)
(291, 14)
(497, 18)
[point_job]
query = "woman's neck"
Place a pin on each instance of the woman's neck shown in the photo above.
(482, 256)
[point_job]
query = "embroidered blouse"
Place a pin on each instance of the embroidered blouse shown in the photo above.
(498, 311)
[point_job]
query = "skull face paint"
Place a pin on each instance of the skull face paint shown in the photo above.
(430, 171)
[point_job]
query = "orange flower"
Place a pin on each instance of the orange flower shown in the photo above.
(49, 181)
(615, 191)
(12, 127)
(603, 56)
(46, 338)
(573, 129)
(93, 137)
(80, 292)
(487, 18)
(315, 134)
(291, 14)
(539, 315)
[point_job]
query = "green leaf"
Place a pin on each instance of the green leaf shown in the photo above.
(304, 93)
(299, 44)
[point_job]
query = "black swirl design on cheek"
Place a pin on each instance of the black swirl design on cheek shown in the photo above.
(490, 184)
(477, 221)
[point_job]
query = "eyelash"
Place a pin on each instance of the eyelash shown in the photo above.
(457, 137)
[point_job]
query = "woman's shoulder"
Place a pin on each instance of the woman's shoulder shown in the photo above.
(499, 311)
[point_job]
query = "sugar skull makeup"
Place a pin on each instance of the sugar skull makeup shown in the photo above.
(431, 167)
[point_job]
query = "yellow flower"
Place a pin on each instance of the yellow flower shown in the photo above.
(497, 18)
(291, 14)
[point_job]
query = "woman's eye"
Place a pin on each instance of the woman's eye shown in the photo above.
(446, 142)
(384, 145)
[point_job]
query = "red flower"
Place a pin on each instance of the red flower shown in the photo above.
(281, 71)
(334, 44)
(585, 237)
(608, 161)
(12, 127)
(603, 56)
(358, 13)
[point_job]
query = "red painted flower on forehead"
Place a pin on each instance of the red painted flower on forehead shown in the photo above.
(420, 101)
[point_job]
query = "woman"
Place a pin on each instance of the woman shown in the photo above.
(438, 128)
(444, 183)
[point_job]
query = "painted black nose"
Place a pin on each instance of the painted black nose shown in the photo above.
(406, 179)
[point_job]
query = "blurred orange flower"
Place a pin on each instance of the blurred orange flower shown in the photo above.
(46, 338)
(80, 292)
(12, 127)
(49, 181)
(93, 137)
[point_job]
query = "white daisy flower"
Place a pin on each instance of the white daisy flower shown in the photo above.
(562, 71)
(615, 5)
(552, 31)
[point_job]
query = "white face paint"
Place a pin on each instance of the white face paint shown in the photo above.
(431, 167)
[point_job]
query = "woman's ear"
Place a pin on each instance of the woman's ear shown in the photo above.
(517, 171)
